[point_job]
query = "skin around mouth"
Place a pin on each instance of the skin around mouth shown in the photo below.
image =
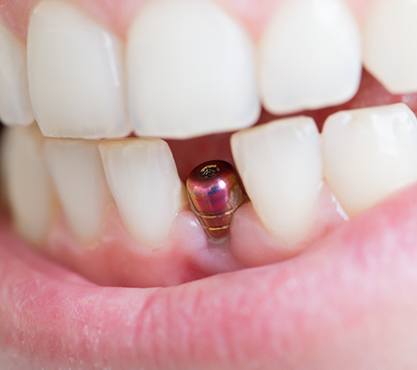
(346, 302)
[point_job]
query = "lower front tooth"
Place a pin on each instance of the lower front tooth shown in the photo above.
(280, 165)
(15, 106)
(143, 179)
(76, 169)
(369, 154)
(28, 187)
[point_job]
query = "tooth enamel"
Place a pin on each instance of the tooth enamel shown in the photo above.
(143, 179)
(28, 186)
(280, 166)
(15, 107)
(191, 71)
(76, 77)
(390, 47)
(77, 172)
(369, 154)
(310, 56)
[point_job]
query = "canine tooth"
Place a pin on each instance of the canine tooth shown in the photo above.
(76, 75)
(191, 71)
(15, 106)
(28, 187)
(280, 165)
(369, 154)
(310, 56)
(77, 172)
(390, 46)
(143, 179)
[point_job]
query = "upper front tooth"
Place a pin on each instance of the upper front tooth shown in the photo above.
(28, 186)
(309, 56)
(143, 179)
(76, 76)
(76, 169)
(191, 71)
(280, 166)
(390, 45)
(15, 106)
(369, 154)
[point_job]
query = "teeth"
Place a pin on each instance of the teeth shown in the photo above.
(191, 71)
(390, 50)
(143, 179)
(280, 166)
(15, 107)
(369, 154)
(309, 56)
(76, 169)
(76, 76)
(27, 183)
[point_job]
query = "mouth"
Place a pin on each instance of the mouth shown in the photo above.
(108, 108)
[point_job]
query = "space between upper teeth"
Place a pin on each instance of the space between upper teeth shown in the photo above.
(15, 105)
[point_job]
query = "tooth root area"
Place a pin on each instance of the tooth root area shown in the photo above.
(28, 188)
(143, 179)
(15, 106)
(390, 47)
(310, 56)
(76, 74)
(196, 62)
(369, 154)
(77, 173)
(280, 166)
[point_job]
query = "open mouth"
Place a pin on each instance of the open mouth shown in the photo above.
(105, 262)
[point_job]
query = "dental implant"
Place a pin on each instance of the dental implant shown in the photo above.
(215, 192)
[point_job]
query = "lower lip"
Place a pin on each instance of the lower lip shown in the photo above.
(284, 315)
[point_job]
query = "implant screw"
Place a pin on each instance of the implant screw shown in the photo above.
(215, 193)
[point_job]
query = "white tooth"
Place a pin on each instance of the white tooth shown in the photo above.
(15, 107)
(369, 154)
(76, 76)
(390, 45)
(280, 166)
(191, 71)
(76, 169)
(28, 187)
(143, 179)
(310, 56)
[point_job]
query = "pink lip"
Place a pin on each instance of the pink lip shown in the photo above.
(319, 308)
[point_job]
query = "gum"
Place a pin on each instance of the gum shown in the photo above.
(118, 15)
(114, 258)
